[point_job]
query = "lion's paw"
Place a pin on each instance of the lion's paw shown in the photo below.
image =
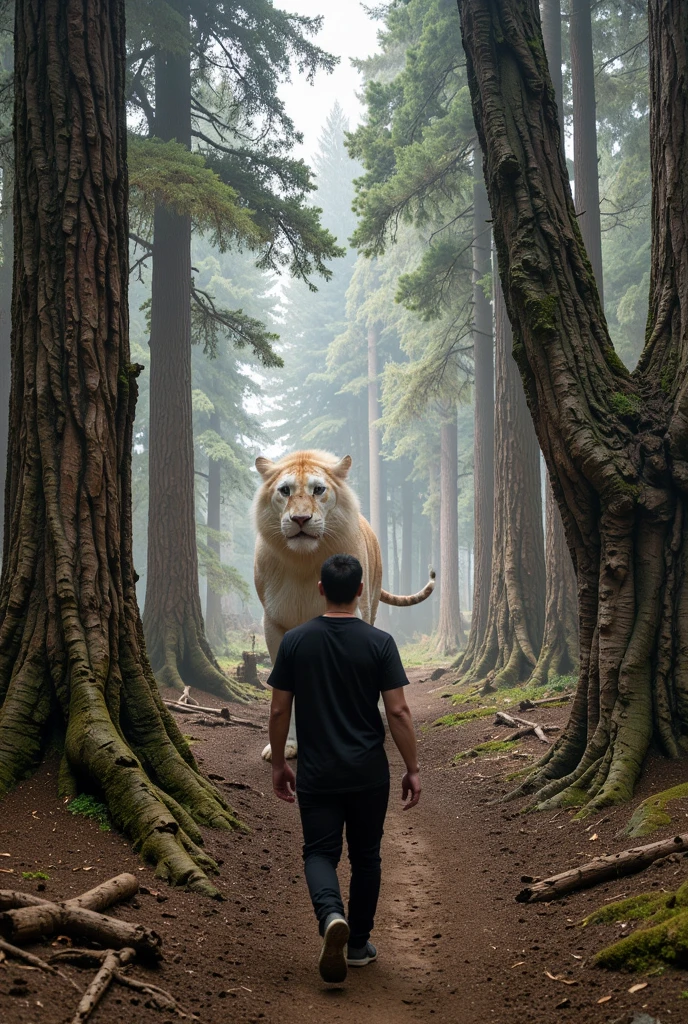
(290, 752)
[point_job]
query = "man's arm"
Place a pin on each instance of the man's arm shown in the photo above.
(283, 778)
(401, 727)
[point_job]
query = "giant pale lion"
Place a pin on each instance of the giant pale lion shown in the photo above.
(305, 511)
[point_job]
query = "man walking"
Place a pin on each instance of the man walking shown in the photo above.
(337, 666)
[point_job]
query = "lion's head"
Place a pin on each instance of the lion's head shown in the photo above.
(304, 502)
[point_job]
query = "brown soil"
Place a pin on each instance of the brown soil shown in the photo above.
(453, 944)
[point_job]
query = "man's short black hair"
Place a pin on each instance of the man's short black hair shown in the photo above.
(341, 577)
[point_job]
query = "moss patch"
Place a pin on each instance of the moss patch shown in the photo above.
(490, 747)
(89, 807)
(35, 875)
(652, 814)
(459, 717)
(663, 941)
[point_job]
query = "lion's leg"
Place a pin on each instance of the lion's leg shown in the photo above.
(273, 638)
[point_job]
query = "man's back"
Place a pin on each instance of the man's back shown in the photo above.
(336, 667)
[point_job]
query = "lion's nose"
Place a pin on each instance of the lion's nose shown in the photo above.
(300, 519)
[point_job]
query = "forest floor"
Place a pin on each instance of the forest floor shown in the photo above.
(453, 944)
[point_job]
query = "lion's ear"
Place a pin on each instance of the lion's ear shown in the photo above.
(342, 468)
(264, 465)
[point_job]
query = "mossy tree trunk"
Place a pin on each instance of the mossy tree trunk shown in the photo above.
(172, 616)
(483, 419)
(513, 634)
(616, 443)
(559, 651)
(72, 656)
(5, 331)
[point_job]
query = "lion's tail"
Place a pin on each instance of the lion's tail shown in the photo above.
(405, 601)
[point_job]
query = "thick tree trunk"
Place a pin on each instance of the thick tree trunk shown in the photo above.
(616, 443)
(559, 652)
(513, 635)
(585, 169)
(5, 332)
(172, 617)
(72, 657)
(213, 608)
(449, 626)
(484, 415)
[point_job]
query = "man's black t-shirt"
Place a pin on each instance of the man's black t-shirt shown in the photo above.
(336, 667)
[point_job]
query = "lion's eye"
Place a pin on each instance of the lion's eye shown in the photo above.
(318, 489)
(284, 490)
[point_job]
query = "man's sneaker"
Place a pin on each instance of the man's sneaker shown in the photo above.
(361, 957)
(333, 957)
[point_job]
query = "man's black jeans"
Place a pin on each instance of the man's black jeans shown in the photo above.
(323, 817)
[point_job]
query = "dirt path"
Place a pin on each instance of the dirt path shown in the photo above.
(454, 946)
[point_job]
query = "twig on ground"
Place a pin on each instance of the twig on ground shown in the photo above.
(112, 962)
(34, 961)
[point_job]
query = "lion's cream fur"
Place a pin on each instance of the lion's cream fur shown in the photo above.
(287, 571)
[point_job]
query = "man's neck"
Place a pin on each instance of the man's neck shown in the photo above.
(346, 611)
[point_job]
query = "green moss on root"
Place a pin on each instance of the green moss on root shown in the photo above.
(663, 941)
(652, 814)
(490, 747)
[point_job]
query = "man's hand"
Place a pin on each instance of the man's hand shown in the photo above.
(410, 788)
(284, 782)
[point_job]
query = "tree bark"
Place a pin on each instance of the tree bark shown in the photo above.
(72, 657)
(615, 443)
(586, 172)
(449, 626)
(213, 609)
(5, 359)
(173, 622)
(559, 651)
(513, 635)
(483, 419)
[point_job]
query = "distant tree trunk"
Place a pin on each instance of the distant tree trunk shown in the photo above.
(586, 173)
(407, 489)
(436, 560)
(484, 413)
(213, 609)
(449, 630)
(172, 617)
(73, 664)
(513, 637)
(374, 457)
(396, 567)
(5, 333)
(559, 651)
(376, 472)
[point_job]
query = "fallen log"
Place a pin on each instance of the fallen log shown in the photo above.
(601, 869)
(31, 924)
(113, 961)
(196, 709)
(515, 722)
(114, 890)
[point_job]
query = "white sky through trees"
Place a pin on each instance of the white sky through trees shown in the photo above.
(347, 32)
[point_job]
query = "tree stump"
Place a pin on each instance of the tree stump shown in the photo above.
(247, 672)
